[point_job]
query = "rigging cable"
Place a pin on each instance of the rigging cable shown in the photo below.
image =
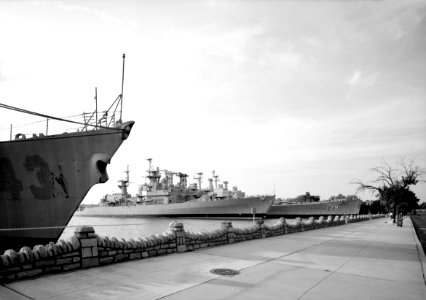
(2, 105)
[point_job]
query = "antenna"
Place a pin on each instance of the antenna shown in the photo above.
(127, 173)
(96, 109)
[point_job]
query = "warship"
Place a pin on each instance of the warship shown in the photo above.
(307, 206)
(44, 178)
(160, 197)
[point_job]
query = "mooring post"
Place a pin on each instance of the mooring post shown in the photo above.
(88, 246)
(231, 233)
(261, 225)
(179, 232)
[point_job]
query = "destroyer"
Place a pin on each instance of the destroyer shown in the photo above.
(44, 178)
(161, 197)
(307, 206)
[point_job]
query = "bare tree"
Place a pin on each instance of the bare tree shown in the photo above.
(392, 184)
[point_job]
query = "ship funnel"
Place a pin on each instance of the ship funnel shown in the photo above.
(226, 184)
(211, 184)
(216, 180)
(199, 178)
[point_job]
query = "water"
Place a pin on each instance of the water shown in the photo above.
(132, 228)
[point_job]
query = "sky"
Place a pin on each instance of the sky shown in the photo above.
(283, 97)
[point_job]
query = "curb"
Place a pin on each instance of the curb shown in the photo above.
(422, 257)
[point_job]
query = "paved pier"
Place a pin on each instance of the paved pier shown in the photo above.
(367, 260)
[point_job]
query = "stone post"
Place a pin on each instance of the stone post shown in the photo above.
(262, 228)
(88, 246)
(231, 233)
(285, 228)
(179, 232)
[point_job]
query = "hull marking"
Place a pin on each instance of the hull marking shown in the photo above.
(8, 181)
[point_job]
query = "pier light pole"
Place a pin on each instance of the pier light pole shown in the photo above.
(253, 211)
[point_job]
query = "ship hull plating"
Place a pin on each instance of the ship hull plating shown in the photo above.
(43, 181)
(321, 208)
(243, 207)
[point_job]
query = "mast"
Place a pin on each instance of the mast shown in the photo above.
(124, 185)
(153, 175)
(122, 86)
(127, 173)
(96, 107)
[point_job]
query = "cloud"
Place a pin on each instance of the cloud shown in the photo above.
(403, 18)
(354, 78)
(78, 8)
(362, 79)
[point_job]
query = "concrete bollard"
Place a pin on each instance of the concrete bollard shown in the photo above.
(230, 229)
(261, 225)
(179, 231)
(285, 226)
(88, 246)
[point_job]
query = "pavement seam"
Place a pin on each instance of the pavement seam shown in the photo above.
(190, 287)
(59, 296)
(335, 271)
(257, 264)
(18, 292)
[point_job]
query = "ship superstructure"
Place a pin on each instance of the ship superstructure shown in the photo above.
(159, 190)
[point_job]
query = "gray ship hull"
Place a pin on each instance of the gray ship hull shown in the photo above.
(218, 208)
(321, 208)
(44, 179)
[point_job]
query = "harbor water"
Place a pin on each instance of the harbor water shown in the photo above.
(132, 228)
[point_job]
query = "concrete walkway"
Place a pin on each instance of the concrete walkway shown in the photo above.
(367, 260)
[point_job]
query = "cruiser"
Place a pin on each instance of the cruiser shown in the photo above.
(161, 197)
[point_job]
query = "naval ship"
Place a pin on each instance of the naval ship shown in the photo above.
(308, 205)
(161, 197)
(44, 178)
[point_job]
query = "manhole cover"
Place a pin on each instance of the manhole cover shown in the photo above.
(225, 272)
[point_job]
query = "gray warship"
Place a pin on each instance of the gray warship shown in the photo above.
(160, 197)
(307, 206)
(44, 177)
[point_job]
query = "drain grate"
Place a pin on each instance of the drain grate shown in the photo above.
(225, 272)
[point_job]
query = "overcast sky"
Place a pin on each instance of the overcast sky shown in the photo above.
(276, 96)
